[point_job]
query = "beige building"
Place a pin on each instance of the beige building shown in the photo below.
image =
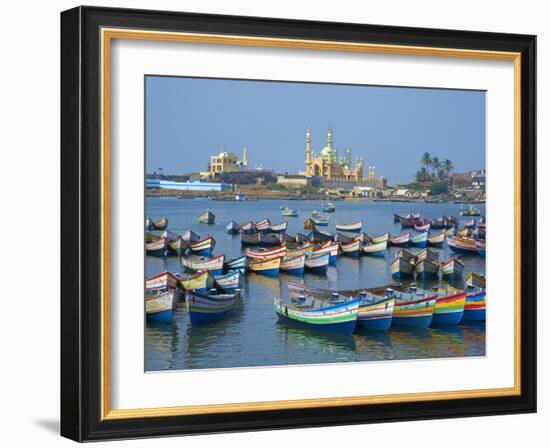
(225, 162)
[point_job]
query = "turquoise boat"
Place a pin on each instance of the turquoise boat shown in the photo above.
(338, 315)
(375, 313)
(419, 240)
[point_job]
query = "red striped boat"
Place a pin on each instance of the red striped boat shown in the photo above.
(156, 248)
(351, 249)
(278, 228)
(248, 227)
(264, 224)
(161, 281)
(263, 254)
(436, 239)
(214, 265)
(401, 240)
(203, 247)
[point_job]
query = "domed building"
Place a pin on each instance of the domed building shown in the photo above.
(336, 168)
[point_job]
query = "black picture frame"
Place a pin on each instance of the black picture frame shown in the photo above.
(81, 224)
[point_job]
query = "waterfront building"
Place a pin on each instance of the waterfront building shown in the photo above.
(190, 185)
(336, 169)
(226, 162)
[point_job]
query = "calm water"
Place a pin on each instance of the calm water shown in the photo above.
(252, 337)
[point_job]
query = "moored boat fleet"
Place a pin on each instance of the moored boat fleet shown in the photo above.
(210, 285)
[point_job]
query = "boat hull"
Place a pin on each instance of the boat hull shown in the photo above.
(161, 317)
(474, 310)
(379, 324)
(337, 328)
(453, 318)
(413, 322)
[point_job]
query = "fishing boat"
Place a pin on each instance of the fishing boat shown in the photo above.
(474, 310)
(351, 249)
(407, 222)
(426, 268)
(337, 316)
(317, 262)
(266, 253)
(330, 247)
(449, 307)
(177, 246)
(236, 264)
(377, 239)
(286, 238)
(401, 240)
(452, 268)
(403, 264)
(319, 219)
(190, 236)
(329, 207)
(203, 247)
(355, 227)
(207, 217)
(293, 264)
(475, 279)
(263, 225)
(471, 224)
(436, 239)
(278, 228)
(159, 305)
(169, 236)
(268, 239)
(397, 217)
(248, 227)
(250, 239)
(462, 246)
(164, 280)
(229, 282)
(210, 307)
(419, 240)
(269, 267)
(201, 282)
(375, 312)
(429, 254)
(422, 225)
(214, 265)
(289, 212)
(318, 236)
(156, 248)
(413, 308)
(159, 224)
(233, 228)
(439, 223)
(300, 238)
(375, 249)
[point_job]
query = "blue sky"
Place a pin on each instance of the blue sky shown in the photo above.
(188, 119)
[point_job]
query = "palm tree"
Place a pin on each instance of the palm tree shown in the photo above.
(448, 167)
(422, 175)
(436, 166)
(426, 160)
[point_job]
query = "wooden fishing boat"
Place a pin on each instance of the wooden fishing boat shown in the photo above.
(290, 212)
(207, 217)
(450, 231)
(203, 247)
(375, 312)
(317, 263)
(377, 239)
(429, 254)
(319, 219)
(475, 279)
(449, 307)
(278, 228)
(330, 247)
(157, 248)
(236, 264)
(401, 267)
(210, 307)
(436, 239)
(286, 238)
(233, 228)
(229, 282)
(351, 249)
(269, 267)
(329, 207)
(190, 236)
(337, 316)
(160, 305)
(201, 282)
(415, 215)
(169, 236)
(266, 253)
(355, 227)
(471, 224)
(439, 223)
(397, 217)
(376, 249)
(214, 265)
(413, 308)
(344, 238)
(263, 225)
(159, 224)
(401, 240)
(248, 227)
(293, 264)
(318, 236)
(422, 225)
(320, 222)
(300, 238)
(164, 280)
(462, 246)
(268, 239)
(419, 239)
(426, 268)
(474, 309)
(452, 268)
(149, 237)
(178, 246)
(407, 222)
(250, 239)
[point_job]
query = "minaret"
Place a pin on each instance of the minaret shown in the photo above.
(308, 148)
(245, 157)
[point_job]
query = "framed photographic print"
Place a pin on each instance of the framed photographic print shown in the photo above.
(274, 223)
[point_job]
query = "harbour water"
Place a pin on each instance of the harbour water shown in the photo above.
(251, 336)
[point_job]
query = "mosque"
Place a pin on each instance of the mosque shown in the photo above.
(336, 168)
